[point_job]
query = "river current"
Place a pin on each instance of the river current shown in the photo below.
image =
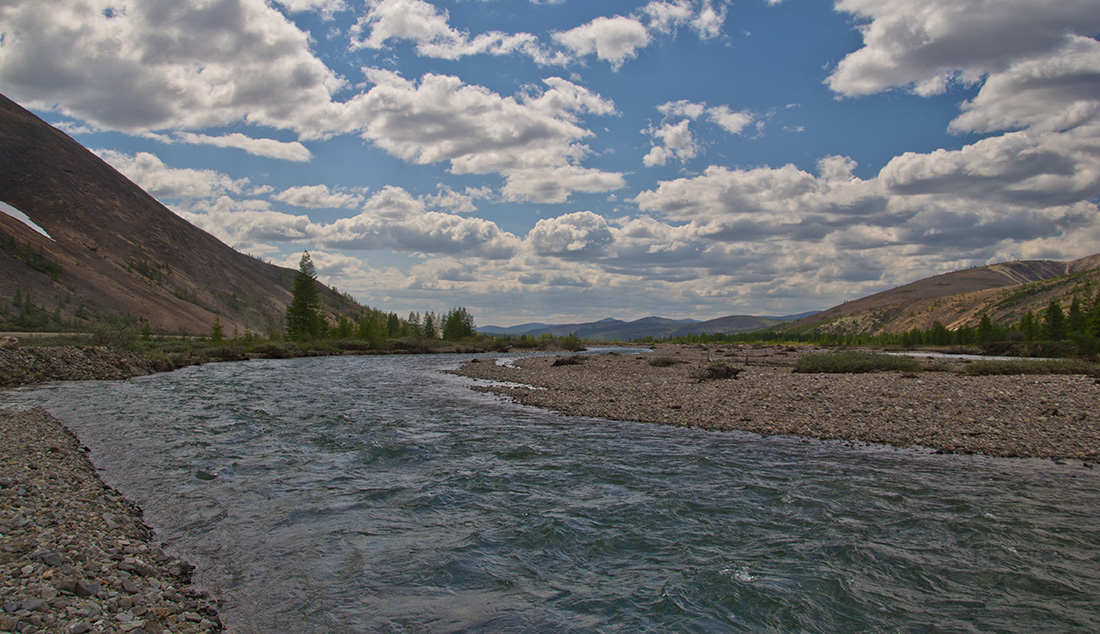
(376, 494)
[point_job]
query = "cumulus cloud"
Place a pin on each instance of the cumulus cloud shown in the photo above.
(247, 225)
(318, 197)
(429, 27)
(151, 174)
(673, 138)
(570, 235)
(162, 64)
(531, 139)
(613, 40)
(269, 148)
(1053, 92)
(393, 219)
(929, 44)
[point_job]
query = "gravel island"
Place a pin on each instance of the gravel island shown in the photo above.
(1036, 416)
(75, 556)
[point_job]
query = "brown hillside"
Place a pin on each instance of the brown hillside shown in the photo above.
(1004, 291)
(120, 252)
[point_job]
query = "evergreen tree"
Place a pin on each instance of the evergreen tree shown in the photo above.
(429, 329)
(1029, 326)
(1054, 322)
(986, 332)
(939, 335)
(217, 333)
(1094, 317)
(1078, 320)
(458, 324)
(303, 317)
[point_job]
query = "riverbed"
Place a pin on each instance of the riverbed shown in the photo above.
(377, 494)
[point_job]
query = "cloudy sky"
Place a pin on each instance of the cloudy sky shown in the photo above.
(572, 160)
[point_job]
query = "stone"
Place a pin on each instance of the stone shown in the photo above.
(86, 589)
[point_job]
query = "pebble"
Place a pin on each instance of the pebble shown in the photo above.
(1014, 416)
(75, 555)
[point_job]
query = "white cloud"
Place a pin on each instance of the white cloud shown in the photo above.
(249, 226)
(269, 148)
(528, 139)
(156, 178)
(317, 197)
(613, 40)
(457, 202)
(1053, 92)
(674, 140)
(429, 27)
(325, 7)
(393, 219)
(928, 44)
(573, 234)
(163, 64)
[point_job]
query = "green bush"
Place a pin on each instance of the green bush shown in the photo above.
(1037, 366)
(573, 360)
(852, 362)
(663, 362)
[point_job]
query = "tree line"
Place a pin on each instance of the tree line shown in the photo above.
(1075, 330)
(305, 320)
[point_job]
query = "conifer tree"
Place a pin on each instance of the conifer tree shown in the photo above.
(303, 318)
(1054, 322)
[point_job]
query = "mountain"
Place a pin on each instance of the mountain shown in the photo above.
(617, 330)
(115, 251)
(1004, 291)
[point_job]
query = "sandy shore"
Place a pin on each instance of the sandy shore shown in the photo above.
(1047, 416)
(75, 555)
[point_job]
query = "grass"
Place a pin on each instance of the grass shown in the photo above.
(853, 362)
(1040, 366)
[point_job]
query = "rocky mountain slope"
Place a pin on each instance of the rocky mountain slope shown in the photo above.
(113, 250)
(1004, 291)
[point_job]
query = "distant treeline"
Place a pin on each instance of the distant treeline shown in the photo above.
(1054, 330)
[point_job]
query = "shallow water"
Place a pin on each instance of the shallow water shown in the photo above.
(374, 494)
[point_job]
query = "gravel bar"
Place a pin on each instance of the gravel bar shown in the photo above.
(1044, 416)
(75, 556)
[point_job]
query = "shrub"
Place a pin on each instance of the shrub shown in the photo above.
(663, 362)
(275, 350)
(851, 362)
(717, 371)
(1038, 366)
(573, 360)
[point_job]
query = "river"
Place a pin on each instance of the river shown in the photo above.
(377, 494)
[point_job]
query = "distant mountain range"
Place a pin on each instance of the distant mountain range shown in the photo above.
(617, 330)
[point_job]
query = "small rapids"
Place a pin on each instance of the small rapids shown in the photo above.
(375, 494)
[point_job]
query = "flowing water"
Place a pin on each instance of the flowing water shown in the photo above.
(374, 494)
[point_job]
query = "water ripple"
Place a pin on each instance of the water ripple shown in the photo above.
(358, 494)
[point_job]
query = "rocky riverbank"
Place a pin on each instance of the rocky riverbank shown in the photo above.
(1046, 416)
(34, 364)
(75, 556)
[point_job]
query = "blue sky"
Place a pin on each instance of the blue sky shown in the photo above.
(566, 161)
